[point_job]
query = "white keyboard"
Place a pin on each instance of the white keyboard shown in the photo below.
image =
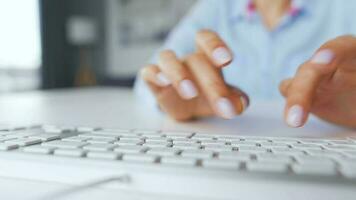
(288, 156)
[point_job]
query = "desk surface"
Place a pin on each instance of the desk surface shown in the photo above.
(115, 107)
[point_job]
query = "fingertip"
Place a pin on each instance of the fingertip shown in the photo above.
(322, 57)
(187, 89)
(222, 56)
(244, 102)
(162, 79)
(296, 116)
(225, 108)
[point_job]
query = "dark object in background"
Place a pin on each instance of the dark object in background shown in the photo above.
(61, 58)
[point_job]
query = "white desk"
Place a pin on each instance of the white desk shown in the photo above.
(114, 107)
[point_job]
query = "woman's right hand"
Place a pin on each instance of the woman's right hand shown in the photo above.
(194, 86)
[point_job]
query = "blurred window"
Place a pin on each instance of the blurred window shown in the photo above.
(20, 47)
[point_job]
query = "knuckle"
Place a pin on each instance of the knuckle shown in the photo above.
(195, 56)
(307, 70)
(146, 71)
(205, 33)
(166, 54)
(206, 36)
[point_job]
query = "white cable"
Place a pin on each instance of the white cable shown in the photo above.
(76, 189)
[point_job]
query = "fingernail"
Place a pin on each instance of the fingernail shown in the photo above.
(244, 103)
(162, 79)
(295, 116)
(225, 108)
(221, 55)
(323, 57)
(188, 90)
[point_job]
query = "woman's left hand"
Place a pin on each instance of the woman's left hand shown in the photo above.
(325, 85)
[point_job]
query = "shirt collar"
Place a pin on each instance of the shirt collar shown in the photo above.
(247, 10)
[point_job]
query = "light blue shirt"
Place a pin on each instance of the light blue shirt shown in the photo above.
(262, 58)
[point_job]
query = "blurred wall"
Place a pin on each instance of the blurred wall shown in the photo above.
(102, 42)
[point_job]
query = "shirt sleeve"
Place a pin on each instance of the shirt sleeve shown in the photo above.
(203, 15)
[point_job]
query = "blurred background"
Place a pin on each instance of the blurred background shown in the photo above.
(46, 44)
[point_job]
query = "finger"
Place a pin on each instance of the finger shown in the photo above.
(332, 56)
(238, 93)
(214, 48)
(302, 89)
(155, 79)
(284, 85)
(178, 74)
(213, 86)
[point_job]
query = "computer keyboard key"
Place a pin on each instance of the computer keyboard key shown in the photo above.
(6, 138)
(256, 139)
(113, 133)
(118, 130)
(99, 147)
(286, 140)
(101, 140)
(202, 137)
(39, 149)
(234, 155)
(104, 155)
(131, 149)
(157, 144)
(199, 154)
(76, 139)
(314, 169)
(213, 142)
(86, 129)
(177, 160)
(287, 151)
(339, 147)
(185, 141)
(219, 164)
(140, 158)
(273, 144)
(70, 152)
(141, 131)
(274, 167)
(24, 134)
(130, 140)
(24, 141)
(218, 147)
(306, 159)
(93, 135)
(65, 144)
(187, 146)
(160, 139)
(244, 143)
(6, 146)
(163, 151)
(326, 153)
(156, 137)
(268, 157)
(177, 135)
(132, 136)
(346, 142)
(45, 137)
(314, 141)
(53, 130)
(251, 149)
(129, 143)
